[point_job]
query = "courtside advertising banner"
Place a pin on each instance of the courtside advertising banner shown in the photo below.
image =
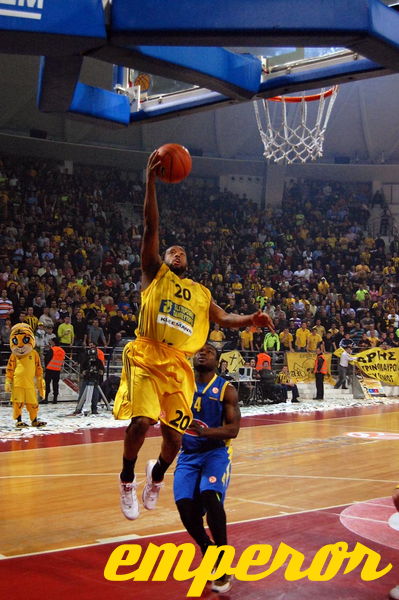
(380, 364)
(301, 366)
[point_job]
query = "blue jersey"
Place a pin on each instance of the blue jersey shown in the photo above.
(208, 408)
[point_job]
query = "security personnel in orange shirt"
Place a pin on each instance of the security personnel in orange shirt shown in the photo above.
(54, 360)
(261, 359)
(320, 369)
(100, 354)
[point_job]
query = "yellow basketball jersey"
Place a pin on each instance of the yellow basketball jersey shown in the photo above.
(175, 311)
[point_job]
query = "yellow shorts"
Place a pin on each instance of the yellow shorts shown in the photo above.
(157, 382)
(24, 395)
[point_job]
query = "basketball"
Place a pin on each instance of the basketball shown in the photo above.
(144, 81)
(175, 163)
(190, 431)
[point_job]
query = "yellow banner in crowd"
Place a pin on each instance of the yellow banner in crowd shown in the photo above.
(380, 364)
(234, 360)
(301, 366)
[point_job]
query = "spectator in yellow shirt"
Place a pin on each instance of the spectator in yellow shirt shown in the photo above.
(390, 269)
(289, 301)
(236, 286)
(301, 337)
(31, 319)
(323, 286)
(247, 339)
(362, 270)
(268, 291)
(286, 339)
(320, 328)
(373, 338)
(217, 277)
(217, 336)
(314, 340)
(65, 332)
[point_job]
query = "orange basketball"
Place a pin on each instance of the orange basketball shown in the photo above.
(175, 163)
(144, 81)
(191, 431)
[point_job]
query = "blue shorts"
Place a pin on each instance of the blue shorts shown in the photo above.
(198, 472)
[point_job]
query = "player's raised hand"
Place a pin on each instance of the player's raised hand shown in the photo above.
(152, 164)
(261, 319)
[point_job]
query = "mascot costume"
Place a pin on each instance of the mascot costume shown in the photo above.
(24, 375)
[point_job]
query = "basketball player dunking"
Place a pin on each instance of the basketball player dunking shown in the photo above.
(157, 381)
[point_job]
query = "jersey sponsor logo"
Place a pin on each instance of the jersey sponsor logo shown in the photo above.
(215, 390)
(169, 322)
(35, 9)
(212, 479)
(167, 307)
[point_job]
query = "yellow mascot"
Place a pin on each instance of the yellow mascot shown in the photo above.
(24, 375)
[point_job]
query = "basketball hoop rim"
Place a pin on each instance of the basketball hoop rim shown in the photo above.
(309, 98)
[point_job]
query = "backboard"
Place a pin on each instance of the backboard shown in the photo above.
(200, 55)
(275, 61)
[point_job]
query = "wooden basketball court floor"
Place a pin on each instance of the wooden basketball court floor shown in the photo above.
(305, 480)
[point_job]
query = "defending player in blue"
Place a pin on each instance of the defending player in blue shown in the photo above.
(203, 468)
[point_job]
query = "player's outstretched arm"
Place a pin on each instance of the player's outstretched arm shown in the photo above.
(231, 320)
(150, 258)
(231, 414)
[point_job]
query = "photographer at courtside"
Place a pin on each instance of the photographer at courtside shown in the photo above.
(92, 371)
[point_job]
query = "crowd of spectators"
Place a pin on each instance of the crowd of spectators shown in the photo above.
(69, 261)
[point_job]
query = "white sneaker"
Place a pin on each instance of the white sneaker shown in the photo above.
(128, 500)
(223, 584)
(151, 489)
(394, 593)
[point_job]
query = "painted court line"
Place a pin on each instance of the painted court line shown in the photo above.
(363, 519)
(267, 503)
(267, 475)
(276, 422)
(279, 422)
(376, 504)
(312, 477)
(152, 535)
(49, 475)
(118, 538)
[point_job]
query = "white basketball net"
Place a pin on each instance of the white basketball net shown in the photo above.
(292, 138)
